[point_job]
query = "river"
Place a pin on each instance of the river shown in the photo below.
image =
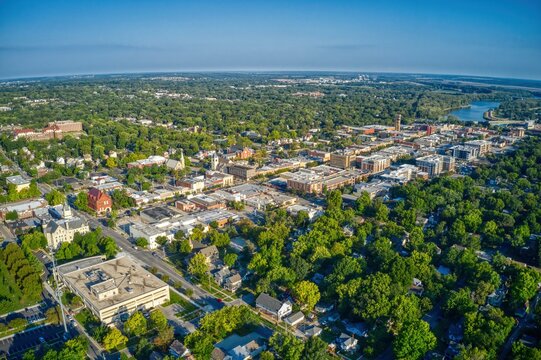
(475, 111)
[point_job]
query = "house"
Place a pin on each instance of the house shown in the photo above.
(417, 287)
(178, 350)
(236, 347)
(273, 306)
(233, 282)
(99, 201)
(313, 331)
(210, 252)
(19, 182)
(295, 319)
(323, 308)
(346, 342)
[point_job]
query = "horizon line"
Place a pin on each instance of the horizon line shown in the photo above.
(253, 71)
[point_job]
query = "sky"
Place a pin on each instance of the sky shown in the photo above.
(500, 38)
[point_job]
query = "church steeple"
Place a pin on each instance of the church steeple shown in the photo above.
(66, 211)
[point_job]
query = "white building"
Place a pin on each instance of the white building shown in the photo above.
(64, 230)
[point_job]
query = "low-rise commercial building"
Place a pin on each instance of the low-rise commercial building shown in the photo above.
(18, 181)
(115, 288)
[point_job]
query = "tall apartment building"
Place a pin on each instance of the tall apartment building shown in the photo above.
(465, 152)
(375, 163)
(245, 172)
(342, 159)
(483, 147)
(397, 122)
(434, 165)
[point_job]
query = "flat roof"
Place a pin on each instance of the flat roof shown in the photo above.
(122, 273)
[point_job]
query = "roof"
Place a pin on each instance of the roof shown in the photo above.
(129, 278)
(295, 318)
(97, 194)
(17, 180)
(268, 302)
(177, 347)
(233, 279)
(209, 251)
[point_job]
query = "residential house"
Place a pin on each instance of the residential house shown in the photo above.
(178, 350)
(273, 306)
(295, 319)
(346, 342)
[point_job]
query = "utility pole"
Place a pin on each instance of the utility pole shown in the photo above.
(57, 291)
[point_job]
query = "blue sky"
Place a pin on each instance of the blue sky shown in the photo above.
(495, 38)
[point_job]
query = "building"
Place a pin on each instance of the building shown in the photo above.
(178, 350)
(295, 319)
(218, 179)
(272, 306)
(63, 230)
(397, 121)
(148, 232)
(465, 152)
(434, 165)
(346, 342)
(19, 182)
(194, 184)
(245, 172)
(342, 159)
(482, 146)
(67, 126)
(236, 347)
(206, 202)
(375, 164)
(315, 180)
(99, 201)
(114, 289)
(214, 162)
(24, 209)
(148, 162)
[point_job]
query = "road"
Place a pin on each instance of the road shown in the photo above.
(146, 259)
(517, 331)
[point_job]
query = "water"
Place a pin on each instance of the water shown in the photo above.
(475, 111)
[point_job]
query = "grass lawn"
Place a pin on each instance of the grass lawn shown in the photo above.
(177, 299)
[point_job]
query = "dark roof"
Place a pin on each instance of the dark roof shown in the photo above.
(268, 302)
(177, 347)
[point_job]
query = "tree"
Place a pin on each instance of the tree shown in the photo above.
(111, 162)
(219, 239)
(287, 346)
(55, 197)
(198, 266)
(136, 325)
(114, 340)
(230, 259)
(17, 323)
(52, 315)
(523, 287)
(164, 338)
(141, 242)
(33, 241)
(307, 293)
(265, 355)
(158, 320)
(372, 299)
(459, 303)
(414, 341)
(315, 349)
(12, 216)
(362, 202)
(405, 309)
(161, 240)
(81, 201)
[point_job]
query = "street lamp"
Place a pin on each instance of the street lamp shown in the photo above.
(56, 291)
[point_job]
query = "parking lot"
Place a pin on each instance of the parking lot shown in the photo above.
(14, 347)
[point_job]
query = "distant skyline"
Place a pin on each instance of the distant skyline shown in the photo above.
(500, 38)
